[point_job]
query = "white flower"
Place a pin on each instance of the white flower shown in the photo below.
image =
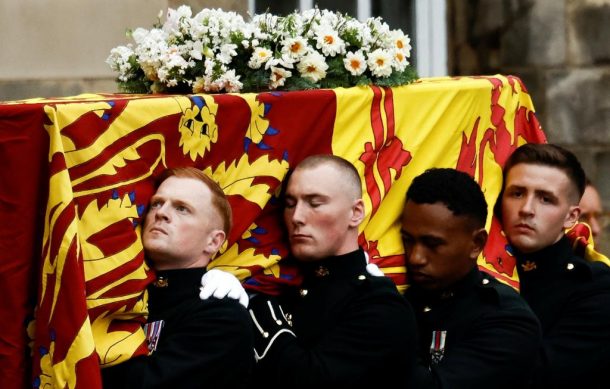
(139, 34)
(217, 51)
(329, 42)
(230, 82)
(119, 61)
(401, 42)
(380, 63)
(259, 57)
(174, 17)
(278, 77)
(355, 63)
(283, 61)
(400, 60)
(227, 52)
(313, 67)
(295, 47)
(197, 50)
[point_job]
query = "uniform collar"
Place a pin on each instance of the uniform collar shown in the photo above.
(339, 266)
(555, 257)
(472, 278)
(175, 285)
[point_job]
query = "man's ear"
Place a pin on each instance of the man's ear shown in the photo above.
(572, 217)
(479, 239)
(357, 213)
(215, 241)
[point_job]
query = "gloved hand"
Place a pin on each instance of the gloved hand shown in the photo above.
(221, 284)
(371, 268)
(270, 322)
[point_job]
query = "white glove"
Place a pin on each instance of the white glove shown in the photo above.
(371, 268)
(221, 284)
(374, 270)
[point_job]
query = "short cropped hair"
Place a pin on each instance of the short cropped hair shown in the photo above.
(219, 199)
(459, 192)
(349, 172)
(546, 154)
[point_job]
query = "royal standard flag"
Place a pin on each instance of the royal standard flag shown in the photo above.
(73, 265)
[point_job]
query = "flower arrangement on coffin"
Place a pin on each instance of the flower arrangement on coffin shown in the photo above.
(218, 51)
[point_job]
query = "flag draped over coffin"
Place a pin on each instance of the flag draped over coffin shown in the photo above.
(106, 150)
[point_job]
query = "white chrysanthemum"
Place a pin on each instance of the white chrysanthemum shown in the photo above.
(259, 57)
(278, 77)
(329, 42)
(355, 63)
(295, 47)
(400, 60)
(313, 66)
(401, 42)
(215, 38)
(380, 63)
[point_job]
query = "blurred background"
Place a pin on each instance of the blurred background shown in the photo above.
(559, 48)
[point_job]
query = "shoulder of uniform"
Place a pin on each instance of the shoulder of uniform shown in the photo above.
(581, 268)
(366, 280)
(363, 278)
(494, 290)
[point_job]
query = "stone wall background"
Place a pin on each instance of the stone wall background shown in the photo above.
(559, 48)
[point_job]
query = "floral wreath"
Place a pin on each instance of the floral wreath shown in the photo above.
(217, 51)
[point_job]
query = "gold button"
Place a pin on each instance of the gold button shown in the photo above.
(427, 309)
(485, 281)
(570, 266)
(362, 277)
(303, 292)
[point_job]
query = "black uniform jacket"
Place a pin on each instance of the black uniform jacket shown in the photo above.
(352, 330)
(571, 297)
(478, 334)
(202, 344)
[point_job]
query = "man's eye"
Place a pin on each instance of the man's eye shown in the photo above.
(155, 204)
(432, 243)
(181, 208)
(407, 240)
(516, 194)
(289, 204)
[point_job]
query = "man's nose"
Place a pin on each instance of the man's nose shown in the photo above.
(162, 212)
(526, 207)
(298, 214)
(415, 256)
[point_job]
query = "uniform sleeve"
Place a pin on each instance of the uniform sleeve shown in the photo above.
(371, 334)
(576, 349)
(498, 351)
(210, 347)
